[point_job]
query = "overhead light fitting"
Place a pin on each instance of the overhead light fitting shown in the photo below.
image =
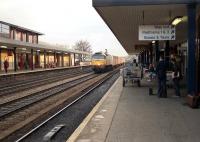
(153, 41)
(2, 46)
(177, 20)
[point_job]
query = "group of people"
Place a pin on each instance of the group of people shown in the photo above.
(162, 77)
(160, 72)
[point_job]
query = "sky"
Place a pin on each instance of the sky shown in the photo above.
(63, 22)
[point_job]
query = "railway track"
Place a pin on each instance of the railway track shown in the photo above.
(36, 81)
(19, 104)
(21, 78)
(23, 111)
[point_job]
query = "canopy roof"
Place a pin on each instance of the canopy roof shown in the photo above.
(123, 17)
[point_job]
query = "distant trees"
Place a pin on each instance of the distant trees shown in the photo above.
(84, 46)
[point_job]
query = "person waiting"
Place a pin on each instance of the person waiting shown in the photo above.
(161, 74)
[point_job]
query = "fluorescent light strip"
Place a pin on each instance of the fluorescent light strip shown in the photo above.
(176, 21)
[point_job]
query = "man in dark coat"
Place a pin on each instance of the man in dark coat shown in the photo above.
(161, 74)
(6, 65)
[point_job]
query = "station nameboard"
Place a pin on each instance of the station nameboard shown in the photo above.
(157, 32)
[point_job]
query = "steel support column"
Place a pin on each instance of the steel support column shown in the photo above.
(139, 58)
(167, 50)
(62, 59)
(142, 58)
(157, 51)
(74, 59)
(0, 59)
(15, 59)
(145, 57)
(45, 64)
(31, 59)
(147, 52)
(191, 66)
(151, 54)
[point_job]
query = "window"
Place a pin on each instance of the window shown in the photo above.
(24, 37)
(35, 39)
(4, 30)
(17, 35)
(96, 56)
(30, 38)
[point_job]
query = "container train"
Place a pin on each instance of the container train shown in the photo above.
(102, 62)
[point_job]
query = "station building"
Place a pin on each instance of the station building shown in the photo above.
(21, 47)
(125, 17)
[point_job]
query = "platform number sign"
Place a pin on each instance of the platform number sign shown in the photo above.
(157, 32)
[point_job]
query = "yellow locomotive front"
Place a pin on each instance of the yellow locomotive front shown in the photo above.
(98, 62)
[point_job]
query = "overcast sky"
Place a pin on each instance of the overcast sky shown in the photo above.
(62, 22)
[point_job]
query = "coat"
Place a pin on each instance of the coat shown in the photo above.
(161, 70)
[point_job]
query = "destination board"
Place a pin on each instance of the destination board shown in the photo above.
(157, 32)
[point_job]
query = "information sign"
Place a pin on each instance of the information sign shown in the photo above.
(157, 32)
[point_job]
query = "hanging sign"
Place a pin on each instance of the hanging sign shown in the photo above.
(157, 32)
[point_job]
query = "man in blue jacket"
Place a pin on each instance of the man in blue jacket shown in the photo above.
(161, 74)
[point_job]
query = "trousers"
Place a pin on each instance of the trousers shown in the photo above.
(162, 89)
(176, 86)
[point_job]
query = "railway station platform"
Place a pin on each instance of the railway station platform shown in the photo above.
(129, 114)
(11, 73)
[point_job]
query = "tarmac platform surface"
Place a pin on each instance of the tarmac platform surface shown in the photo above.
(129, 114)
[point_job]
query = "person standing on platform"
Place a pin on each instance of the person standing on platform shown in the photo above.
(176, 77)
(161, 75)
(6, 65)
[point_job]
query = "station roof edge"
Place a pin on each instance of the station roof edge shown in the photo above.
(108, 3)
(20, 44)
(22, 28)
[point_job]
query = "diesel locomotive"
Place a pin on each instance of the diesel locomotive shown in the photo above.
(102, 62)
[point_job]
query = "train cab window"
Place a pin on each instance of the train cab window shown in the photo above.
(98, 57)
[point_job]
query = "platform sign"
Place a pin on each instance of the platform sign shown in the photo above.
(157, 32)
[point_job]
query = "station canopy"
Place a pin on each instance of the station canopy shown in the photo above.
(124, 17)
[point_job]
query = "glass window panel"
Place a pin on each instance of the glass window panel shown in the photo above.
(23, 37)
(30, 38)
(5, 26)
(5, 31)
(17, 35)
